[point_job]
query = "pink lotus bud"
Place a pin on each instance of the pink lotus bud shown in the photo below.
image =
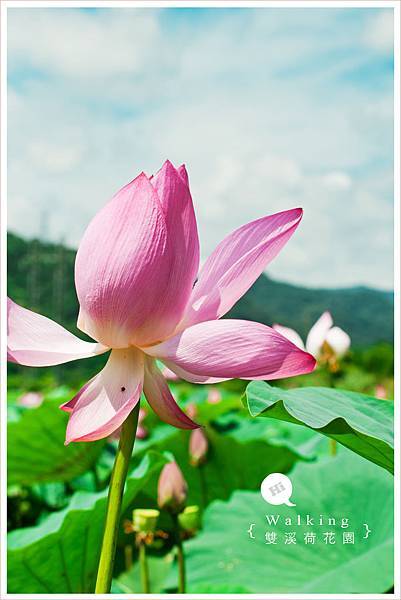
(142, 433)
(30, 400)
(380, 391)
(214, 396)
(191, 410)
(198, 446)
(172, 489)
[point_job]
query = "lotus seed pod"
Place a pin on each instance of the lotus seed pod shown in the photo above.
(144, 520)
(189, 519)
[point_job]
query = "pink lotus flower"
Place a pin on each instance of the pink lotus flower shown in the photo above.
(140, 295)
(321, 333)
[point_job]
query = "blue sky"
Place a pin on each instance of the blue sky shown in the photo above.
(269, 108)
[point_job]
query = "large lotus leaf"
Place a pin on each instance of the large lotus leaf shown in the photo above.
(359, 422)
(36, 451)
(224, 557)
(61, 554)
(129, 582)
(52, 495)
(302, 441)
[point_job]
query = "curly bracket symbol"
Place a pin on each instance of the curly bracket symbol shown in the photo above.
(367, 531)
(250, 531)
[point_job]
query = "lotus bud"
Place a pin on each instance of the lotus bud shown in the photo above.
(380, 391)
(191, 410)
(172, 489)
(30, 399)
(142, 433)
(189, 519)
(144, 520)
(214, 396)
(198, 447)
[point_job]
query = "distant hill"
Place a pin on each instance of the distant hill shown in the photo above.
(365, 313)
(41, 277)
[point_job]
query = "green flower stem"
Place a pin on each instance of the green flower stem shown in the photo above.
(114, 500)
(143, 563)
(180, 555)
(128, 556)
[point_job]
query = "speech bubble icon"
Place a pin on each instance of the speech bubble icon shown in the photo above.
(276, 489)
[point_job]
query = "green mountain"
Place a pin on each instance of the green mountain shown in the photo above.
(41, 277)
(365, 313)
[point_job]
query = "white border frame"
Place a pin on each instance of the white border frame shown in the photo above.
(395, 4)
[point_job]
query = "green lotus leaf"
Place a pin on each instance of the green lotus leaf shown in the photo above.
(36, 451)
(361, 423)
(61, 554)
(223, 555)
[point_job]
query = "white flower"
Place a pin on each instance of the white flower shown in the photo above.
(321, 332)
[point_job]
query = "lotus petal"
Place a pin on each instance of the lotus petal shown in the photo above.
(36, 341)
(236, 263)
(230, 348)
(104, 403)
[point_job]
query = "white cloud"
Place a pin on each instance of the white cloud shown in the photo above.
(80, 44)
(380, 31)
(53, 158)
(337, 180)
(261, 122)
